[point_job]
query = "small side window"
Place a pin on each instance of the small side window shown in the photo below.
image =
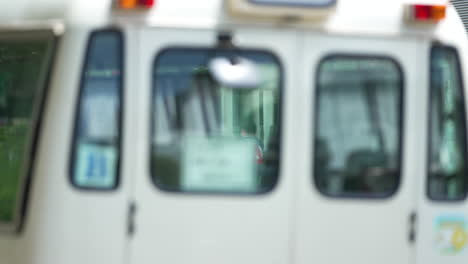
(447, 134)
(358, 126)
(96, 148)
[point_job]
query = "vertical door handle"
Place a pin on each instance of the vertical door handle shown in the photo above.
(412, 227)
(131, 219)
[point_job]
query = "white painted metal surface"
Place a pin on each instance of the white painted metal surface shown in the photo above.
(336, 230)
(184, 228)
(65, 225)
(293, 224)
(431, 214)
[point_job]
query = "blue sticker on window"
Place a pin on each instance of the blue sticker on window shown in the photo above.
(95, 166)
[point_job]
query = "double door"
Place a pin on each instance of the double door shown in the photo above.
(341, 134)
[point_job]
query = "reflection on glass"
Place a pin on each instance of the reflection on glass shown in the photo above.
(208, 137)
(21, 70)
(97, 139)
(447, 169)
(357, 134)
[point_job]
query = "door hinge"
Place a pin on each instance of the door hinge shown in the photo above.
(412, 227)
(131, 218)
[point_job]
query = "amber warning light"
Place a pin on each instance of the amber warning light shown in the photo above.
(135, 4)
(426, 13)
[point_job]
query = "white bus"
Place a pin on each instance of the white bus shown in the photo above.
(229, 132)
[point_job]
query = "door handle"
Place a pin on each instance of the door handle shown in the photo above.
(131, 219)
(412, 227)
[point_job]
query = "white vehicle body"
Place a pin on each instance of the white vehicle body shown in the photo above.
(293, 223)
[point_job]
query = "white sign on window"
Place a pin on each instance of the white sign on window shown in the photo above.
(103, 124)
(219, 165)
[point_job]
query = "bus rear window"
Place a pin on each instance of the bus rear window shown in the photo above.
(358, 126)
(23, 68)
(208, 137)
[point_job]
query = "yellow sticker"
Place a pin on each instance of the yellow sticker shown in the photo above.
(451, 235)
(459, 238)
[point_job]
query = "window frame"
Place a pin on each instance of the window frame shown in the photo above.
(401, 126)
(79, 103)
(281, 94)
(25, 178)
(459, 73)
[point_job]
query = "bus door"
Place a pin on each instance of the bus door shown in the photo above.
(442, 235)
(209, 186)
(356, 190)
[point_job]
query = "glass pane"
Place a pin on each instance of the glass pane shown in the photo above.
(447, 160)
(212, 138)
(97, 141)
(22, 68)
(358, 126)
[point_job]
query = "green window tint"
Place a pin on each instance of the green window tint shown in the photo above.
(23, 68)
(208, 137)
(358, 126)
(96, 152)
(447, 156)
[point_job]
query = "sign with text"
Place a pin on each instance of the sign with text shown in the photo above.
(219, 164)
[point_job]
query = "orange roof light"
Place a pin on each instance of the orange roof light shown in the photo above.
(438, 12)
(127, 4)
(134, 4)
(427, 13)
